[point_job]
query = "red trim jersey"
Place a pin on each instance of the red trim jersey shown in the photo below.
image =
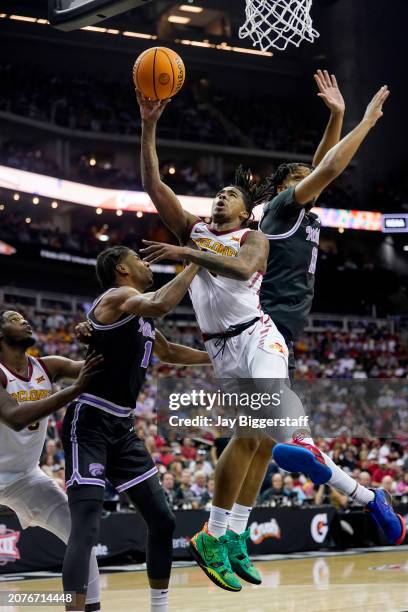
(218, 301)
(20, 451)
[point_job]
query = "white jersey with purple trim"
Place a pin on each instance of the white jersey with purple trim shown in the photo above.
(20, 451)
(220, 302)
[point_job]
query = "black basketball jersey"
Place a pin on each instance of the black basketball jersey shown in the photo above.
(288, 285)
(126, 346)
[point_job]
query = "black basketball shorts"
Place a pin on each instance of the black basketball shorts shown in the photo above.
(99, 446)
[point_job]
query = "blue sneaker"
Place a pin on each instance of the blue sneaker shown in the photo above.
(392, 524)
(298, 456)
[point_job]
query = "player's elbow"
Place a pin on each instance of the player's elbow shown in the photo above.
(160, 308)
(244, 273)
(330, 169)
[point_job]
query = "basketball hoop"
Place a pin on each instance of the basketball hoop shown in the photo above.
(276, 23)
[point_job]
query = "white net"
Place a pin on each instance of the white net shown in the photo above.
(276, 23)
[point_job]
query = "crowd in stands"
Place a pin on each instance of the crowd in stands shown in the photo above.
(201, 114)
(186, 464)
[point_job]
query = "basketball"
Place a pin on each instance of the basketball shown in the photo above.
(159, 73)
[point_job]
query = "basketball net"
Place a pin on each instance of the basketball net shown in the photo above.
(276, 23)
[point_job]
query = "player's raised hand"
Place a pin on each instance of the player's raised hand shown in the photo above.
(374, 110)
(150, 110)
(92, 365)
(329, 91)
(157, 251)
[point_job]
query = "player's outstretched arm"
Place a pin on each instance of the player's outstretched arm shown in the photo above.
(339, 157)
(62, 367)
(331, 95)
(169, 352)
(154, 304)
(19, 416)
(178, 220)
(251, 257)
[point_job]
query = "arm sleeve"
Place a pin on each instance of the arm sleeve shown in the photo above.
(283, 206)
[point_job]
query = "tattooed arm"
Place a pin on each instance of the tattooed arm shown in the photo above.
(251, 257)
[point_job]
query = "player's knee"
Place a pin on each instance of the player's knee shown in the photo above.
(265, 448)
(248, 445)
(166, 523)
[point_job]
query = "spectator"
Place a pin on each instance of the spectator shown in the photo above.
(200, 484)
(293, 492)
(206, 497)
(276, 490)
(168, 485)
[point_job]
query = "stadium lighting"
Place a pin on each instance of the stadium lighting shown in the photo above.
(119, 213)
(103, 237)
(2, 207)
(28, 220)
(16, 197)
(341, 230)
(189, 8)
(139, 214)
(405, 247)
(54, 204)
(172, 170)
(36, 200)
(92, 161)
(99, 211)
(178, 19)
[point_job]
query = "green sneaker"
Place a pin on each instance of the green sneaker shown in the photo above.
(239, 559)
(212, 556)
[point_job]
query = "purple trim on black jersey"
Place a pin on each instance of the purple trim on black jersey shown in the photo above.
(76, 476)
(104, 404)
(137, 480)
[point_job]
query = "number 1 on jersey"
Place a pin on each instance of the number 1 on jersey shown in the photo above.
(313, 261)
(147, 353)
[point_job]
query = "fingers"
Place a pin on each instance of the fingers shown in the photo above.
(150, 249)
(327, 79)
(334, 81)
(319, 81)
(156, 255)
(152, 242)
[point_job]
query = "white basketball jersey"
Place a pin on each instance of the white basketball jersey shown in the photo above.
(20, 451)
(220, 302)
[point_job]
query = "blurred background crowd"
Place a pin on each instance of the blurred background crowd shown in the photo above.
(186, 464)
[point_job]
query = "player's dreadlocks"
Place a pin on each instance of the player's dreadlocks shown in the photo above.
(252, 193)
(283, 172)
(106, 263)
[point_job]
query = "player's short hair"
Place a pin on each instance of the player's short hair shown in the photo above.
(2, 319)
(283, 172)
(252, 193)
(106, 263)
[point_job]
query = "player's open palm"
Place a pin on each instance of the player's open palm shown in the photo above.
(150, 110)
(374, 110)
(157, 251)
(329, 91)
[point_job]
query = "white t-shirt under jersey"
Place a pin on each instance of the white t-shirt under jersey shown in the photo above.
(220, 302)
(20, 451)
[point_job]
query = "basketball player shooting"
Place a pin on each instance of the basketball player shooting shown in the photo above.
(98, 430)
(26, 399)
(241, 340)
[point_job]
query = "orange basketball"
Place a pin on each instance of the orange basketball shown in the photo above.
(159, 73)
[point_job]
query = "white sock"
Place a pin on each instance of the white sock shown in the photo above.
(344, 483)
(239, 518)
(159, 600)
(218, 523)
